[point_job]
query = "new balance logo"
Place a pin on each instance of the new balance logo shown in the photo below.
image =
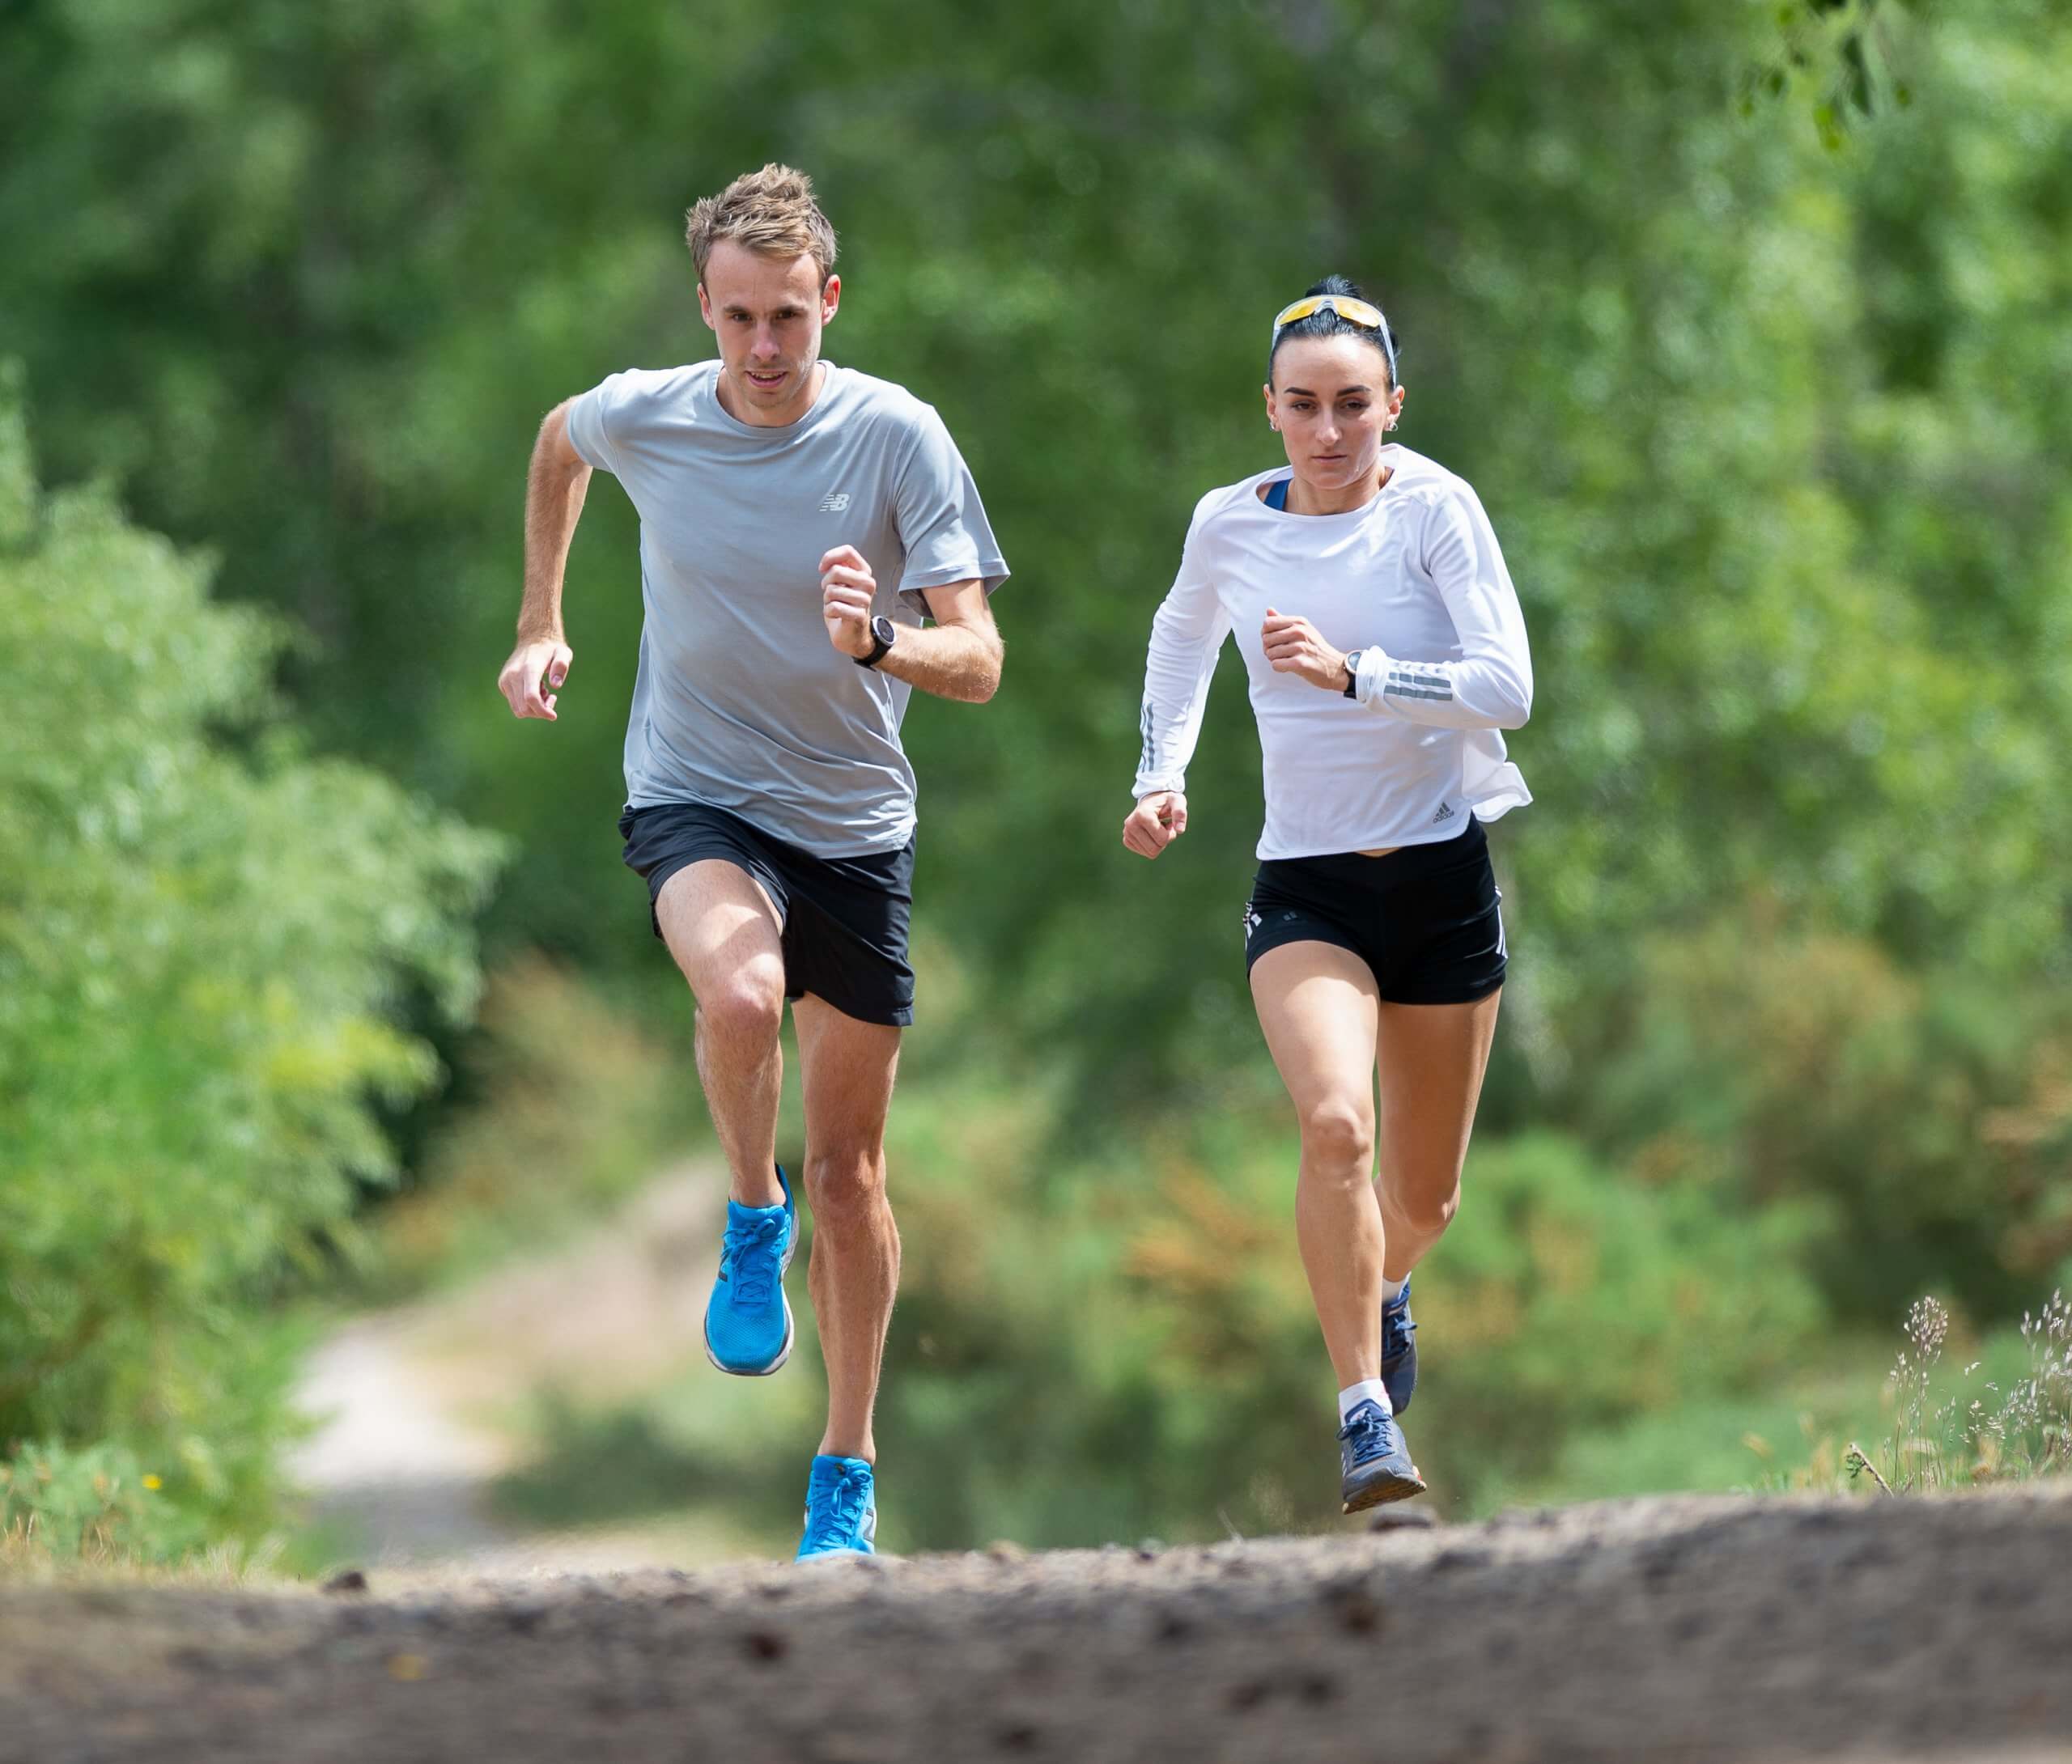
(1445, 813)
(835, 502)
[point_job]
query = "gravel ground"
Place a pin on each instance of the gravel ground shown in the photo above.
(1685, 1628)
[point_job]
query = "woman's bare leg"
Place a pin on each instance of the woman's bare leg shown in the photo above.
(1318, 1006)
(1432, 1058)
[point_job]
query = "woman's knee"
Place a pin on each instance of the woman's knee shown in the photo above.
(1426, 1209)
(1338, 1135)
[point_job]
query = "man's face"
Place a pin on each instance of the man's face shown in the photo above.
(767, 313)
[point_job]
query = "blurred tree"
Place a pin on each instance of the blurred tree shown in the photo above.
(201, 953)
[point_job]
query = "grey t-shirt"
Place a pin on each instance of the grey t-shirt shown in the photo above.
(740, 701)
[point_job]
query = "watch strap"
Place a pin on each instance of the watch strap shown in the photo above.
(880, 642)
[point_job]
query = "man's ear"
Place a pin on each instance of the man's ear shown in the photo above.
(830, 299)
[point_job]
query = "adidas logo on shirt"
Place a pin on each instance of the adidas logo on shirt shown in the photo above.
(835, 502)
(1445, 813)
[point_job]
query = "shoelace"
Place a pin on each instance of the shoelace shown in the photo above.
(1366, 1429)
(840, 1510)
(751, 1255)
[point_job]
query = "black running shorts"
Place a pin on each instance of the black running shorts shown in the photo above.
(844, 919)
(1427, 919)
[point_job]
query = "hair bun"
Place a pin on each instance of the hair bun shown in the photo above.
(1344, 284)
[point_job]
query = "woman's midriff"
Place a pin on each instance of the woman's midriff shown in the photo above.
(1387, 851)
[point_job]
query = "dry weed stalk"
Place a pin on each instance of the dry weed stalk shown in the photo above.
(2027, 1433)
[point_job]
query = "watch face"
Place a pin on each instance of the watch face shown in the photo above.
(884, 630)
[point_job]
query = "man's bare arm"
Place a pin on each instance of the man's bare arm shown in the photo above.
(555, 485)
(958, 657)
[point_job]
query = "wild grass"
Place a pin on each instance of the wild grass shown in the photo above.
(27, 1558)
(2012, 1425)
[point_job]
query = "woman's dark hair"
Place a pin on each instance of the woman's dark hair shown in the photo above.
(1327, 323)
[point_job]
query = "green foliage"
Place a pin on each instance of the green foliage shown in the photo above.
(1924, 1116)
(97, 1504)
(206, 938)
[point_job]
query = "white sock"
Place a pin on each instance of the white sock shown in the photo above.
(1392, 1290)
(1367, 1390)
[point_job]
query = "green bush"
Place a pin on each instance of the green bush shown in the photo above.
(97, 1504)
(207, 940)
(1923, 1115)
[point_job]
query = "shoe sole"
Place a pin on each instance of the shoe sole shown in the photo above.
(1380, 1492)
(784, 1354)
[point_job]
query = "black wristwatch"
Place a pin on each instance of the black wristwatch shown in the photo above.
(883, 630)
(1353, 673)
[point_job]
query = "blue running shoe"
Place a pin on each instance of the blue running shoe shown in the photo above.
(1398, 1349)
(841, 1509)
(1376, 1460)
(748, 1320)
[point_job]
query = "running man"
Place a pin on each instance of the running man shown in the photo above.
(1385, 649)
(799, 521)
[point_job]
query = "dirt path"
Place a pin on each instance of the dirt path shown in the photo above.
(1686, 1628)
(415, 1405)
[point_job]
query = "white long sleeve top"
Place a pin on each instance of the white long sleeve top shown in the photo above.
(1414, 580)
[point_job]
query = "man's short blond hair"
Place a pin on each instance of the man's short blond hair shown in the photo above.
(772, 211)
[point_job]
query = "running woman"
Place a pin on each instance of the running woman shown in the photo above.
(798, 523)
(1385, 649)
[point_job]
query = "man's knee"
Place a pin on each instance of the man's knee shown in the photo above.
(745, 1008)
(1338, 1137)
(848, 1181)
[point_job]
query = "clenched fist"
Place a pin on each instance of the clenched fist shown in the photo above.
(533, 676)
(1292, 646)
(1156, 822)
(847, 590)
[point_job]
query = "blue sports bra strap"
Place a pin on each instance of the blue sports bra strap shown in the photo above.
(1276, 494)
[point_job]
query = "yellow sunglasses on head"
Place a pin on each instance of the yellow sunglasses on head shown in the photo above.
(1359, 312)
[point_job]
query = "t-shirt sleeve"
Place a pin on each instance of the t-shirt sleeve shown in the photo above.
(942, 523)
(596, 417)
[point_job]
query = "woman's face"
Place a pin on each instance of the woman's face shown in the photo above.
(1331, 401)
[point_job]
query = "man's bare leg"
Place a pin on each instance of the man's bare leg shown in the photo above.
(847, 1069)
(724, 934)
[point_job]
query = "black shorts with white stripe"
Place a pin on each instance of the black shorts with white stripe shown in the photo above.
(1428, 920)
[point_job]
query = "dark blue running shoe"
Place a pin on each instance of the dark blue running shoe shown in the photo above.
(748, 1320)
(841, 1509)
(1398, 1349)
(1375, 1459)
